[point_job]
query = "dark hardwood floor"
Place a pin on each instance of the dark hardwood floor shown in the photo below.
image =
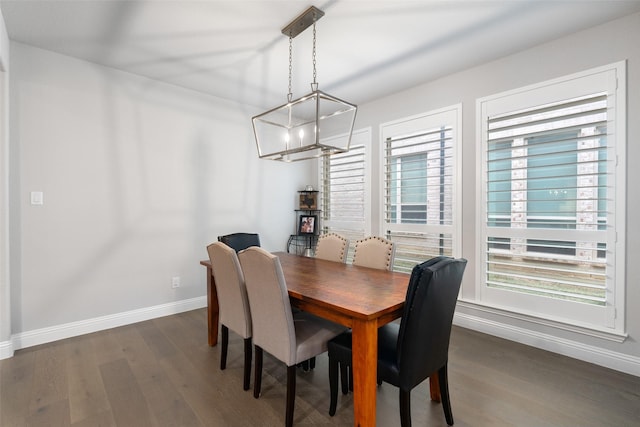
(163, 373)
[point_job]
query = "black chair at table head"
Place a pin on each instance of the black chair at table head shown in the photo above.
(410, 352)
(240, 241)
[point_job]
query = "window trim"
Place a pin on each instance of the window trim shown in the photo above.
(415, 124)
(614, 75)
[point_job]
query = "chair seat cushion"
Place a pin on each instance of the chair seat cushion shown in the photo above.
(312, 334)
(388, 370)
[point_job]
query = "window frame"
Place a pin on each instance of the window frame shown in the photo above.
(417, 124)
(610, 319)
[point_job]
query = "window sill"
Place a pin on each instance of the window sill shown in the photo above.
(609, 335)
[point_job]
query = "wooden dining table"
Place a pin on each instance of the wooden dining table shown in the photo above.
(360, 298)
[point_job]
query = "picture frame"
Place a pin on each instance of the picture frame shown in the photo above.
(308, 201)
(308, 224)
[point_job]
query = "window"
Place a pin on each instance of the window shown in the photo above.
(420, 177)
(345, 190)
(552, 201)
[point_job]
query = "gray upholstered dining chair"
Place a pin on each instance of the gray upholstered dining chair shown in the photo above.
(234, 303)
(240, 241)
(332, 247)
(410, 352)
(374, 252)
(274, 328)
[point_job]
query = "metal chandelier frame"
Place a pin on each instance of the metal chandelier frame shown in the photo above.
(314, 125)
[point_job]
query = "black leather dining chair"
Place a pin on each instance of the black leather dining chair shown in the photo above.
(409, 352)
(240, 241)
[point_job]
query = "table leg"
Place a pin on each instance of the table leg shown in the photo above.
(212, 308)
(365, 358)
(434, 387)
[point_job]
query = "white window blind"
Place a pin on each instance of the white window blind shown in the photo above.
(345, 190)
(549, 202)
(419, 179)
(547, 175)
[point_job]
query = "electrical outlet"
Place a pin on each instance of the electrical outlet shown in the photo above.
(37, 198)
(175, 282)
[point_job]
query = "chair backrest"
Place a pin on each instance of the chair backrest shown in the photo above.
(374, 252)
(240, 241)
(332, 247)
(273, 328)
(230, 287)
(425, 328)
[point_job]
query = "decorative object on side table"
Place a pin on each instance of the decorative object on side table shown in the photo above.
(308, 200)
(308, 224)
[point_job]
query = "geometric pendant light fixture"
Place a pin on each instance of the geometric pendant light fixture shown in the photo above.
(312, 126)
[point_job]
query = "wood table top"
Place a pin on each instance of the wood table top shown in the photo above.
(356, 292)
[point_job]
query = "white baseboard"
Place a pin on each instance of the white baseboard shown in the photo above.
(68, 330)
(602, 357)
(610, 359)
(6, 350)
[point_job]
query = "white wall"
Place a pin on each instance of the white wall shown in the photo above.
(5, 292)
(609, 43)
(138, 177)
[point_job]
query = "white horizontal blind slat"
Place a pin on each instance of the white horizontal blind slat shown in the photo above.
(343, 178)
(547, 187)
(418, 194)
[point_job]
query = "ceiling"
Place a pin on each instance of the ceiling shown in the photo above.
(234, 49)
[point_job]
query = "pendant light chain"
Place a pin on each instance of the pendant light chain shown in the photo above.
(314, 85)
(290, 94)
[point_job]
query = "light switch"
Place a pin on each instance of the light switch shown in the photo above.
(37, 198)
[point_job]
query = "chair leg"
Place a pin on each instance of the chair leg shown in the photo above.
(257, 377)
(333, 385)
(308, 364)
(405, 408)
(247, 363)
(344, 378)
(225, 346)
(444, 394)
(291, 394)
